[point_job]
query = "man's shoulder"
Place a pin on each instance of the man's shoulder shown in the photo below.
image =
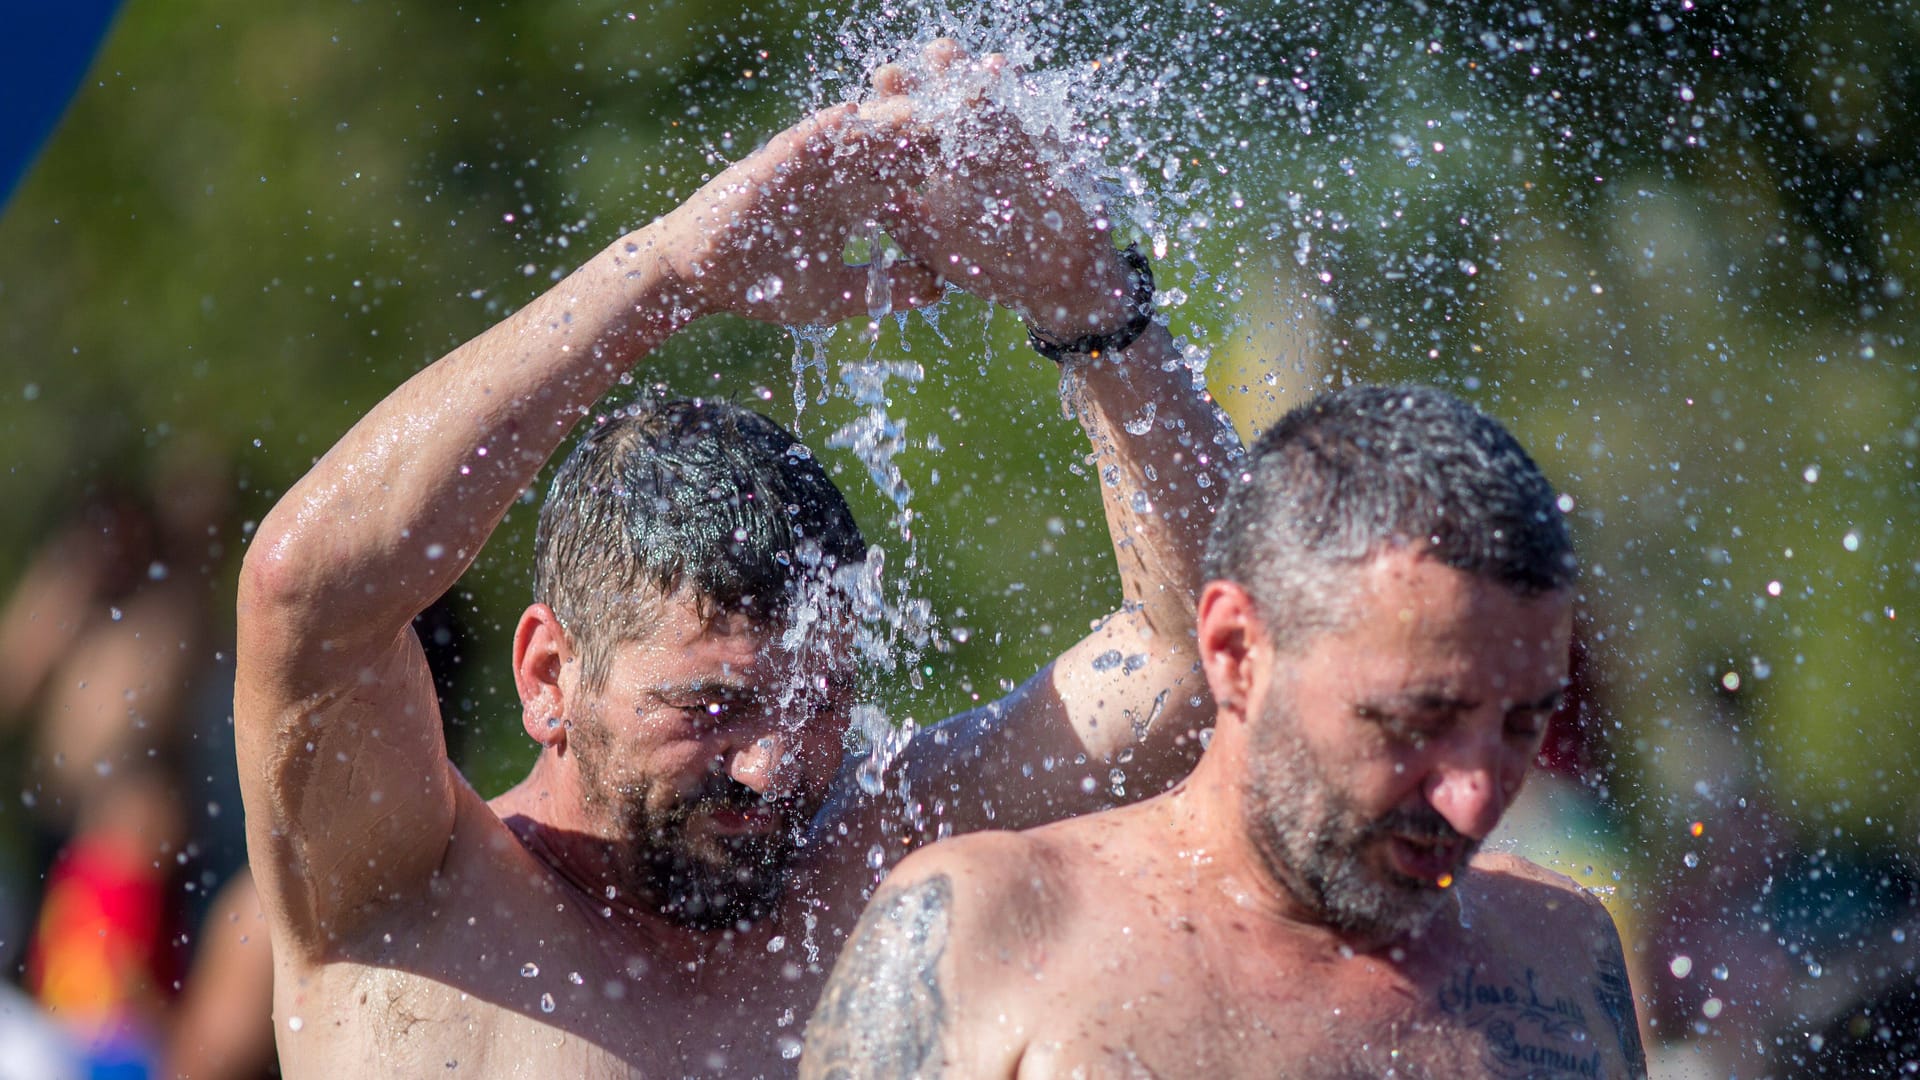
(1536, 903)
(984, 862)
(1524, 877)
(991, 885)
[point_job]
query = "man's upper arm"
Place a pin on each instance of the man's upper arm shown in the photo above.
(1116, 718)
(893, 1006)
(1572, 927)
(343, 768)
(1614, 992)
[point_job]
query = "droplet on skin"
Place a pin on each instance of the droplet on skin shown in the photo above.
(294, 1023)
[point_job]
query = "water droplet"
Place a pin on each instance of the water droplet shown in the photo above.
(546, 1003)
(529, 969)
(294, 1023)
(1681, 966)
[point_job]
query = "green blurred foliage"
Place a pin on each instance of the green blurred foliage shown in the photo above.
(1674, 244)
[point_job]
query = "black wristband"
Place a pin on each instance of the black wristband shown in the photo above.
(1094, 345)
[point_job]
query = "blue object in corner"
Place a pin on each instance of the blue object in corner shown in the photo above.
(46, 47)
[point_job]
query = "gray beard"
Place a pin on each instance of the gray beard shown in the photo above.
(1314, 841)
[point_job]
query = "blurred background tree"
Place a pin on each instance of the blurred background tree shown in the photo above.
(1672, 243)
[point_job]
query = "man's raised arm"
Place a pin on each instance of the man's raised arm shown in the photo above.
(350, 799)
(1130, 695)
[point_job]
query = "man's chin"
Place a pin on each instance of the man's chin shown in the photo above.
(1382, 904)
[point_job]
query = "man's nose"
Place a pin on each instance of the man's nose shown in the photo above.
(1473, 786)
(754, 758)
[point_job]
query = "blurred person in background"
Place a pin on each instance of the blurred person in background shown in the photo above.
(110, 670)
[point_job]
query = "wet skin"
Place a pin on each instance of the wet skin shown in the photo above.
(1175, 937)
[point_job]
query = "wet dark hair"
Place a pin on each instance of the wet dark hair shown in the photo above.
(1355, 471)
(701, 496)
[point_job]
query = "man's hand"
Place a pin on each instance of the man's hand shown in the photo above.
(994, 216)
(765, 238)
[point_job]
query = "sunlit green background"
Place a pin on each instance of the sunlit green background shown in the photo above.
(1675, 245)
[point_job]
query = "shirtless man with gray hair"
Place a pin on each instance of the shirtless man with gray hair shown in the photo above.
(1385, 629)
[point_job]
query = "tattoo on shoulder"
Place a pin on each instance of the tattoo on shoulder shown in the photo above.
(884, 1013)
(1615, 995)
(1529, 1026)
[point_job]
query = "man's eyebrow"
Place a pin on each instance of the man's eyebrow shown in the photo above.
(1550, 702)
(698, 688)
(1419, 701)
(1441, 701)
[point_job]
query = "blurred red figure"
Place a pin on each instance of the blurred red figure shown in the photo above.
(106, 648)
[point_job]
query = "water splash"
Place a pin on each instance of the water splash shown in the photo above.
(809, 353)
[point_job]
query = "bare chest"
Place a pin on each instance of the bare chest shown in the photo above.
(496, 992)
(1183, 1012)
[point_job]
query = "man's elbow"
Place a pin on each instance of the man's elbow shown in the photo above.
(275, 589)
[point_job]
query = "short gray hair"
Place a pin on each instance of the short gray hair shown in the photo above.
(1362, 469)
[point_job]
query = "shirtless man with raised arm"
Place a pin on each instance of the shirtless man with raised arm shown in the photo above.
(1385, 629)
(665, 892)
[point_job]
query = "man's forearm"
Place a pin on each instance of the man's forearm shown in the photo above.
(1164, 451)
(409, 495)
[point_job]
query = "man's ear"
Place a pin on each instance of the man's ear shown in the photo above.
(1235, 651)
(541, 652)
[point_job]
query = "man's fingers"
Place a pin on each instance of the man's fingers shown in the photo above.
(940, 54)
(890, 80)
(914, 284)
